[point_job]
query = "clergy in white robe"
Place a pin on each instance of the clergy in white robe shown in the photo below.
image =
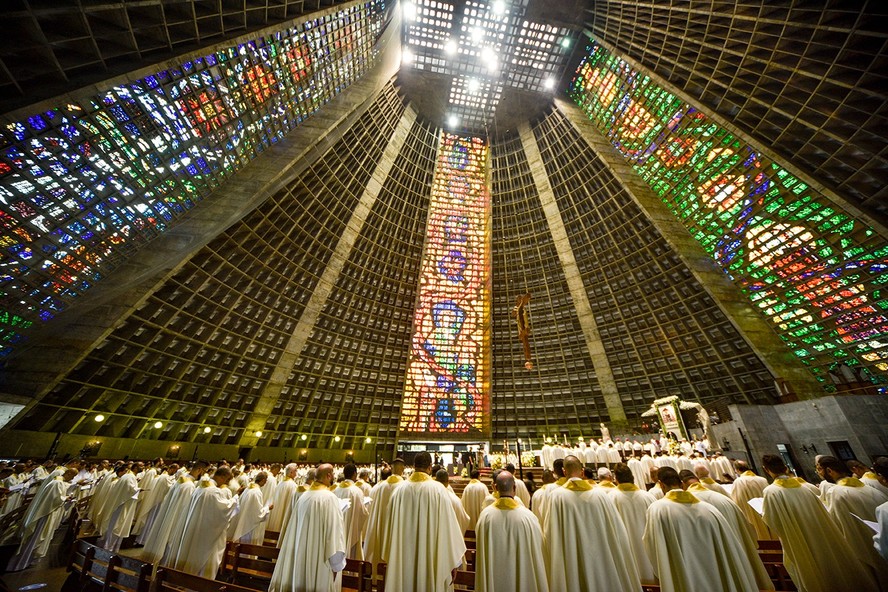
(632, 503)
(363, 482)
(41, 519)
(146, 486)
(313, 550)
(381, 494)
(521, 492)
(167, 527)
(300, 489)
(578, 520)
(119, 510)
(815, 553)
(462, 518)
(701, 471)
(16, 477)
(472, 498)
(97, 503)
(538, 500)
(849, 497)
(736, 520)
(510, 544)
(746, 487)
(355, 517)
(202, 547)
(691, 545)
(423, 545)
(271, 483)
(162, 485)
(248, 525)
(283, 495)
(637, 470)
(880, 541)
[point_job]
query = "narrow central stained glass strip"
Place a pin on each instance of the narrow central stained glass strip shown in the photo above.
(447, 390)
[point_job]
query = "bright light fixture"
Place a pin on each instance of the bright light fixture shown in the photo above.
(409, 9)
(368, 440)
(258, 433)
(473, 85)
(498, 7)
(565, 42)
(452, 120)
(304, 437)
(406, 56)
(490, 59)
(207, 430)
(99, 418)
(476, 35)
(337, 439)
(450, 47)
(158, 424)
(549, 83)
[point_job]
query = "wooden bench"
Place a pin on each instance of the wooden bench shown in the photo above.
(78, 564)
(778, 574)
(465, 580)
(250, 565)
(170, 580)
(98, 569)
(356, 576)
(271, 538)
(130, 575)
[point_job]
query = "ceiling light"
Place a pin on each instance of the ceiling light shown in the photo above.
(368, 440)
(452, 120)
(337, 439)
(498, 7)
(549, 83)
(489, 57)
(99, 418)
(473, 85)
(409, 9)
(406, 56)
(207, 430)
(450, 47)
(158, 424)
(476, 35)
(258, 433)
(565, 42)
(304, 437)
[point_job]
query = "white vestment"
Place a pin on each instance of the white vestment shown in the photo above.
(632, 504)
(119, 511)
(162, 486)
(381, 495)
(880, 541)
(578, 520)
(710, 484)
(41, 519)
(746, 487)
(693, 548)
(354, 518)
(269, 487)
(850, 496)
(313, 549)
(510, 550)
(423, 542)
(815, 553)
(538, 501)
(522, 493)
(871, 480)
(283, 494)
(248, 525)
(201, 550)
(741, 527)
(146, 486)
(637, 472)
(170, 519)
(462, 518)
(472, 498)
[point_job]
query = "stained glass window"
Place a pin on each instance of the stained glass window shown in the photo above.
(84, 184)
(448, 371)
(814, 270)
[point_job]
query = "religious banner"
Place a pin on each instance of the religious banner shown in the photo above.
(668, 412)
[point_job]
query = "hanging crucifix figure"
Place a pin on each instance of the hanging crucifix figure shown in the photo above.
(522, 315)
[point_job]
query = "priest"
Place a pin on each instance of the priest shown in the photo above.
(42, 518)
(847, 498)
(578, 519)
(472, 498)
(283, 495)
(422, 543)
(538, 500)
(701, 471)
(521, 491)
(171, 516)
(632, 503)
(510, 544)
(355, 516)
(815, 553)
(381, 494)
(119, 510)
(735, 519)
(248, 526)
(691, 545)
(161, 486)
(202, 547)
(746, 487)
(313, 549)
(462, 518)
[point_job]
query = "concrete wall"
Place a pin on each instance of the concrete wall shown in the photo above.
(860, 420)
(22, 444)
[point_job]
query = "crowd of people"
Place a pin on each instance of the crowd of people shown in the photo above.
(684, 523)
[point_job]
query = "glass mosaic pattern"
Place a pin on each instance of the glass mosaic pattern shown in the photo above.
(811, 268)
(83, 185)
(448, 371)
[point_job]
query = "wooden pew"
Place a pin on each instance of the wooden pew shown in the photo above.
(170, 580)
(271, 538)
(778, 574)
(465, 580)
(97, 570)
(81, 556)
(130, 575)
(251, 565)
(356, 576)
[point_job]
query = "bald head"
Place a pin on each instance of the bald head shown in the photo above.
(442, 477)
(701, 471)
(505, 484)
(573, 467)
(324, 474)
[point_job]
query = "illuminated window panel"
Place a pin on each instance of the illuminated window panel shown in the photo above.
(447, 391)
(83, 185)
(811, 268)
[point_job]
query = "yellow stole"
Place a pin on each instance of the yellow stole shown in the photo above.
(627, 487)
(577, 485)
(682, 497)
(419, 477)
(850, 482)
(317, 485)
(505, 503)
(394, 479)
(787, 482)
